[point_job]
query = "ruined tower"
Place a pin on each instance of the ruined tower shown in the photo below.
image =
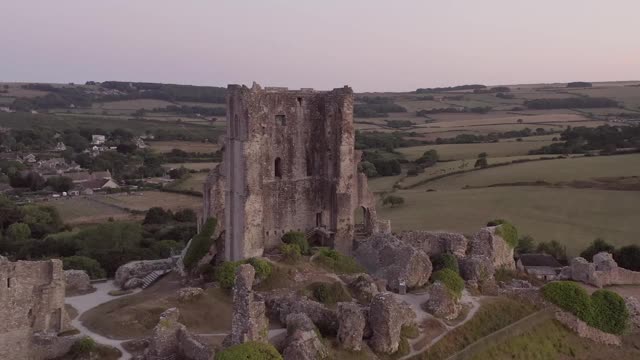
(289, 165)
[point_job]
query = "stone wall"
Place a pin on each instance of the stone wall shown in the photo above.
(289, 165)
(249, 321)
(603, 271)
(487, 243)
(31, 301)
(585, 331)
(436, 242)
(130, 275)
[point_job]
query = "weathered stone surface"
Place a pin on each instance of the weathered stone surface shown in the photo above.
(362, 286)
(633, 306)
(386, 318)
(487, 243)
(604, 271)
(281, 305)
(302, 342)
(436, 242)
(389, 258)
(604, 262)
(51, 346)
(476, 268)
(140, 269)
(189, 294)
(352, 323)
(441, 302)
(77, 281)
(164, 338)
(289, 164)
(132, 284)
(32, 296)
(585, 331)
(582, 270)
(249, 321)
(192, 348)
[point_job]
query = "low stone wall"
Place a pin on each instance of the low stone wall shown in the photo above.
(46, 346)
(603, 271)
(192, 348)
(436, 242)
(585, 331)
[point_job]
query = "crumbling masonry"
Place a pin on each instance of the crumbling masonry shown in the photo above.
(31, 303)
(289, 165)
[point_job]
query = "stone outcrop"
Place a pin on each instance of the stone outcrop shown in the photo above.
(491, 245)
(249, 321)
(281, 305)
(32, 296)
(476, 268)
(302, 342)
(352, 324)
(633, 307)
(131, 274)
(171, 340)
(362, 286)
(77, 282)
(386, 318)
(441, 302)
(189, 294)
(436, 242)
(603, 271)
(384, 256)
(289, 163)
(585, 331)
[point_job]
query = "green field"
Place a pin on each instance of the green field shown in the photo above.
(144, 200)
(79, 210)
(471, 151)
(574, 217)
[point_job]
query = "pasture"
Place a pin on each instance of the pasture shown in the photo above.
(471, 151)
(84, 210)
(145, 200)
(188, 146)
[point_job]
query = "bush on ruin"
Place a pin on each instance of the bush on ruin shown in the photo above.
(508, 232)
(297, 238)
(337, 262)
(200, 244)
(329, 294)
(446, 261)
(83, 347)
(569, 296)
(251, 350)
(451, 280)
(291, 252)
(609, 312)
(263, 267)
(225, 273)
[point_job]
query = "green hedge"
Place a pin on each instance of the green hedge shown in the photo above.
(225, 273)
(451, 280)
(297, 238)
(604, 309)
(329, 293)
(91, 266)
(200, 244)
(251, 350)
(291, 252)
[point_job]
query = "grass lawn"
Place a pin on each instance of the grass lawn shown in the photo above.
(581, 168)
(136, 315)
(575, 217)
(149, 199)
(78, 210)
(551, 340)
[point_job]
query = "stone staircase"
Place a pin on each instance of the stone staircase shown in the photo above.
(153, 277)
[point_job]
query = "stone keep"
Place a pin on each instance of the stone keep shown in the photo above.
(289, 165)
(31, 301)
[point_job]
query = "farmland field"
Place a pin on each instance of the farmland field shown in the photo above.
(191, 166)
(188, 146)
(471, 151)
(192, 183)
(79, 210)
(144, 200)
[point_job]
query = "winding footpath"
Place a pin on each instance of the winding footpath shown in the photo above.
(84, 303)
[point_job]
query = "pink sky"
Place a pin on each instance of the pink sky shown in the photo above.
(369, 44)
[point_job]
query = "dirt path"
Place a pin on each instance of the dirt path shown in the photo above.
(416, 301)
(83, 303)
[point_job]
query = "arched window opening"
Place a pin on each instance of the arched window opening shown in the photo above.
(278, 167)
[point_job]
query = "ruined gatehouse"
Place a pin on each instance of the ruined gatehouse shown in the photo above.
(289, 165)
(32, 309)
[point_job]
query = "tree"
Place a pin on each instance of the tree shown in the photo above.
(526, 245)
(60, 183)
(9, 213)
(555, 249)
(91, 266)
(481, 163)
(628, 257)
(178, 173)
(42, 220)
(76, 141)
(157, 215)
(18, 232)
(429, 158)
(368, 169)
(393, 200)
(185, 215)
(598, 245)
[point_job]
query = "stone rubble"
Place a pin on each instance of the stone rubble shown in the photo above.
(386, 318)
(130, 275)
(441, 302)
(281, 305)
(189, 294)
(352, 324)
(77, 281)
(303, 342)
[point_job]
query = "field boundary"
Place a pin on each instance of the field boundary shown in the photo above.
(514, 329)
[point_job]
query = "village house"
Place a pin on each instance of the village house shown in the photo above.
(98, 139)
(542, 266)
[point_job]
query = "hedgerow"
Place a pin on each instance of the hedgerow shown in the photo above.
(200, 244)
(251, 350)
(451, 280)
(329, 293)
(604, 310)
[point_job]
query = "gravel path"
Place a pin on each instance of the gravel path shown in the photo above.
(83, 303)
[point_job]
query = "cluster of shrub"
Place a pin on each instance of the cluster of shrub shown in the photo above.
(168, 92)
(608, 139)
(399, 124)
(627, 257)
(380, 140)
(429, 158)
(492, 137)
(447, 271)
(376, 109)
(33, 232)
(57, 97)
(571, 103)
(579, 84)
(376, 163)
(450, 88)
(493, 90)
(604, 309)
(475, 110)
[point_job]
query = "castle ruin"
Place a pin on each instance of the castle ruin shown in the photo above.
(289, 165)
(31, 303)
